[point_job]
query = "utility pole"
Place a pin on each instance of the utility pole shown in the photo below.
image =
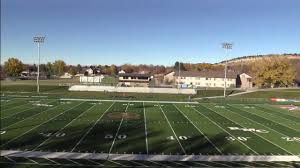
(226, 46)
(38, 40)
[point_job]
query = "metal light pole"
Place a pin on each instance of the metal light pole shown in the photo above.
(226, 46)
(38, 40)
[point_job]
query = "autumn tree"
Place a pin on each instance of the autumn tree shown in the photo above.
(113, 69)
(13, 67)
(59, 67)
(72, 71)
(273, 72)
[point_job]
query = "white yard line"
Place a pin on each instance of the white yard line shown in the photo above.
(117, 163)
(74, 119)
(257, 122)
(38, 126)
(3, 111)
(17, 113)
(134, 101)
(268, 107)
(255, 133)
(25, 110)
(198, 130)
(112, 144)
(145, 121)
(172, 129)
(275, 121)
(224, 130)
(82, 138)
(30, 117)
(52, 161)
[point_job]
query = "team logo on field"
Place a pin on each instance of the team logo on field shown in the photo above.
(248, 129)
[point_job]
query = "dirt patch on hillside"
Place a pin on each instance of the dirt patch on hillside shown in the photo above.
(124, 115)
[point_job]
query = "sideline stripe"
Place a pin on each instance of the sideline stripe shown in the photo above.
(134, 101)
(172, 129)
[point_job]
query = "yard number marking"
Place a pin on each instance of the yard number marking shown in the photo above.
(62, 134)
(120, 136)
(291, 139)
(230, 138)
(2, 132)
(249, 129)
(179, 137)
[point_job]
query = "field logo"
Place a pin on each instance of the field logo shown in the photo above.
(248, 129)
(291, 139)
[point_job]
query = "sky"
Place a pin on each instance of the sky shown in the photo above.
(92, 32)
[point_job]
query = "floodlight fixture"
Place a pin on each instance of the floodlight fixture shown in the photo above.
(38, 40)
(226, 46)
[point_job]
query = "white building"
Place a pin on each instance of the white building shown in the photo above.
(202, 79)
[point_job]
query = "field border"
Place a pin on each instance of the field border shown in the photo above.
(104, 156)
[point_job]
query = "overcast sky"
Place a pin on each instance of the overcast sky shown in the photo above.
(147, 31)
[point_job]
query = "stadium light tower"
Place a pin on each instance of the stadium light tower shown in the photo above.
(39, 40)
(226, 46)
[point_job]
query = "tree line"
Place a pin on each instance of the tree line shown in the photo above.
(266, 72)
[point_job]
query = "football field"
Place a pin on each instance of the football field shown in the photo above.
(143, 128)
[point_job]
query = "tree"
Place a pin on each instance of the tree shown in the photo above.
(59, 67)
(49, 69)
(13, 67)
(113, 69)
(78, 68)
(182, 67)
(72, 71)
(273, 72)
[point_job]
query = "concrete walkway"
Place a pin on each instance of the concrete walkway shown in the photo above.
(104, 156)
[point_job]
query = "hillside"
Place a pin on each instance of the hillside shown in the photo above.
(244, 64)
(252, 58)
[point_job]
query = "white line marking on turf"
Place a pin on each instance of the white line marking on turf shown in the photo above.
(288, 113)
(74, 119)
(224, 129)
(91, 127)
(135, 101)
(117, 163)
(172, 129)
(32, 160)
(3, 111)
(17, 113)
(257, 122)
(30, 117)
(145, 121)
(198, 129)
(254, 132)
(51, 161)
(10, 159)
(111, 146)
(38, 126)
(275, 121)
